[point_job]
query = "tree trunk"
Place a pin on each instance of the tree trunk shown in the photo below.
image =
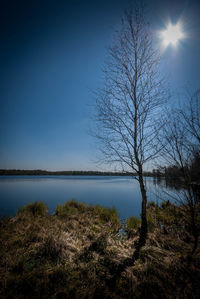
(143, 229)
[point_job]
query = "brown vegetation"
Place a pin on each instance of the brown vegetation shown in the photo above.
(80, 253)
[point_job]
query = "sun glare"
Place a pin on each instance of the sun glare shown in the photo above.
(172, 34)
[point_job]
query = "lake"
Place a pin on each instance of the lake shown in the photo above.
(119, 191)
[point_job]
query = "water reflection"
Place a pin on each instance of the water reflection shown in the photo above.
(166, 183)
(175, 189)
(121, 192)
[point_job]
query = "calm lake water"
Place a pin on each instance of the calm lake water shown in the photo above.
(120, 192)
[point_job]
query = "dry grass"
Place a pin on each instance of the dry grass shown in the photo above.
(79, 253)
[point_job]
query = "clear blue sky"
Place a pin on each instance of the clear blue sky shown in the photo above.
(51, 57)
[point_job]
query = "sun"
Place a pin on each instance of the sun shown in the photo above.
(172, 34)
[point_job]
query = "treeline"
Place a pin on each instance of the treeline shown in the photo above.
(173, 172)
(177, 171)
(70, 172)
(45, 172)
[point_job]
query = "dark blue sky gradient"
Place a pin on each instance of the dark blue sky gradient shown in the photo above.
(51, 57)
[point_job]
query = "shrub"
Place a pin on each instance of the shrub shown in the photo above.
(152, 217)
(133, 223)
(151, 204)
(34, 209)
(131, 226)
(71, 207)
(107, 214)
(151, 225)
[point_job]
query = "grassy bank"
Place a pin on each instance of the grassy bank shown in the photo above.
(80, 252)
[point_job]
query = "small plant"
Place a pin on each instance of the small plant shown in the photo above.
(133, 223)
(151, 224)
(35, 209)
(70, 208)
(151, 204)
(107, 214)
(152, 218)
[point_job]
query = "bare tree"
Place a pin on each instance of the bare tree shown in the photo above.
(191, 117)
(129, 103)
(181, 148)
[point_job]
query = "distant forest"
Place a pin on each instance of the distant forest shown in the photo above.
(45, 172)
(172, 172)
